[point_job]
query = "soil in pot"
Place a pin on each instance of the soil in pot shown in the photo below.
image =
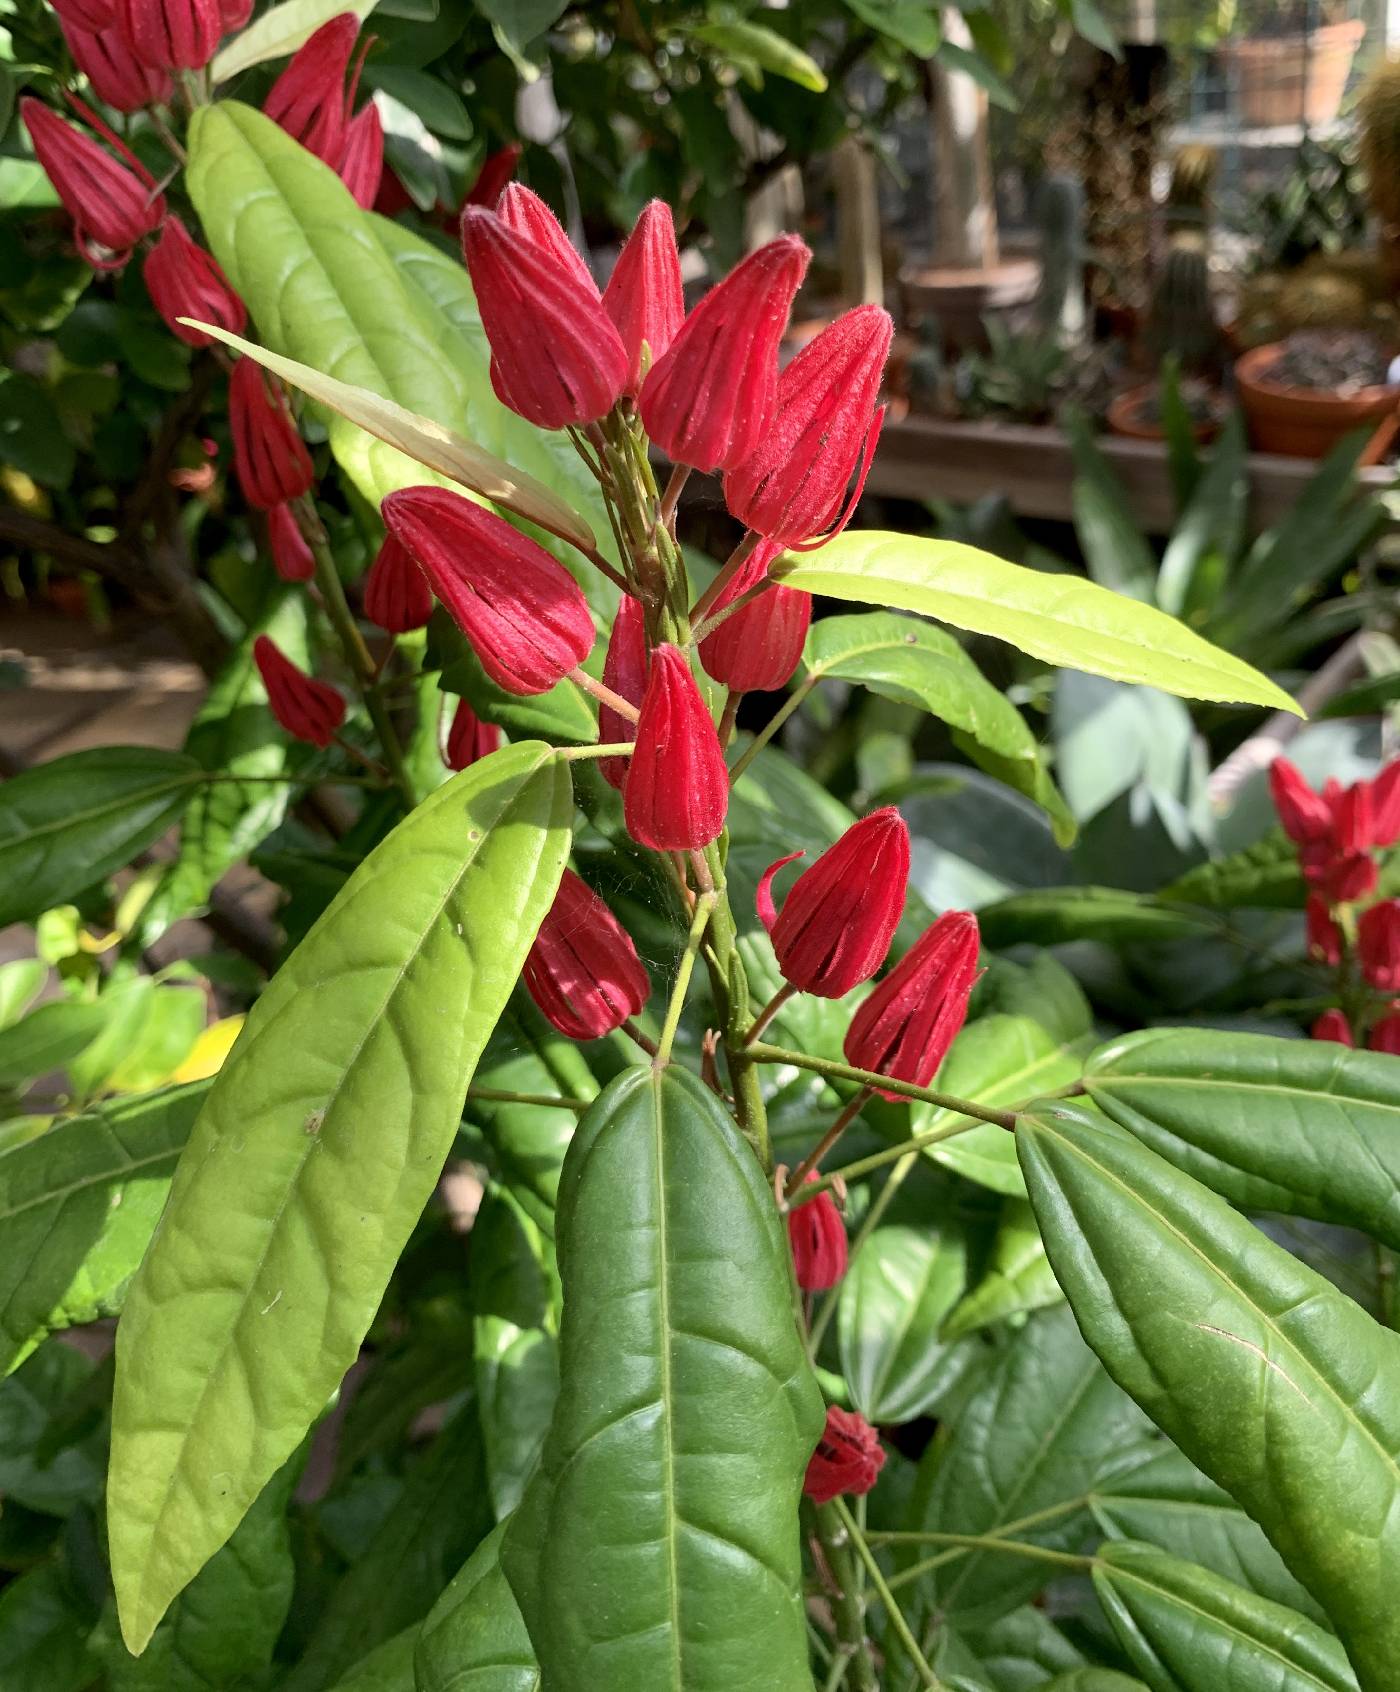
(1137, 412)
(1302, 395)
(958, 300)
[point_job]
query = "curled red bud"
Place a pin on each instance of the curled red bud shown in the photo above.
(817, 1236)
(676, 791)
(469, 739)
(291, 556)
(523, 612)
(308, 709)
(625, 672)
(1333, 1025)
(709, 399)
(269, 455)
(361, 164)
(644, 296)
(757, 648)
(171, 34)
(1324, 936)
(525, 213)
(112, 206)
(185, 281)
(496, 171)
(583, 970)
(905, 1027)
(104, 56)
(848, 1457)
(397, 595)
(309, 98)
(1378, 945)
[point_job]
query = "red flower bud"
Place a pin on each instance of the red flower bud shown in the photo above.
(848, 1457)
(1306, 816)
(91, 15)
(792, 486)
(1324, 937)
(309, 99)
(291, 556)
(676, 791)
(836, 924)
(905, 1027)
(308, 709)
(1351, 878)
(525, 214)
(233, 14)
(269, 455)
(625, 672)
(185, 281)
(1378, 945)
(1353, 821)
(496, 171)
(1385, 1035)
(171, 34)
(523, 612)
(817, 1236)
(111, 207)
(757, 648)
(104, 56)
(555, 357)
(362, 159)
(397, 596)
(710, 397)
(583, 970)
(1385, 800)
(469, 739)
(643, 296)
(1332, 1025)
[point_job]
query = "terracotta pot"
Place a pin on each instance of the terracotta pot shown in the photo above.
(958, 300)
(1304, 422)
(1285, 79)
(1125, 416)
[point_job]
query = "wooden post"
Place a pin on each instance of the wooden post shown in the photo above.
(858, 225)
(964, 206)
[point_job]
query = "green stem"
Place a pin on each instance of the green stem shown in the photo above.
(769, 1011)
(763, 1053)
(550, 1101)
(771, 727)
(605, 695)
(726, 574)
(848, 1115)
(704, 905)
(892, 1154)
(869, 1222)
(846, 1608)
(977, 1542)
(901, 1627)
(608, 749)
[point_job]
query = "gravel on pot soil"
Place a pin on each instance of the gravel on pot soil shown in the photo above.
(1339, 361)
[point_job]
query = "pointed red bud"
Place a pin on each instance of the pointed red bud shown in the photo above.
(848, 1457)
(269, 455)
(1385, 1035)
(526, 214)
(644, 297)
(555, 357)
(309, 99)
(185, 281)
(1353, 820)
(91, 15)
(793, 485)
(361, 164)
(112, 206)
(1378, 945)
(583, 970)
(1350, 878)
(171, 34)
(397, 595)
(104, 56)
(1306, 816)
(710, 398)
(676, 791)
(1385, 802)
(836, 924)
(469, 739)
(1324, 937)
(308, 709)
(496, 171)
(625, 672)
(1333, 1025)
(291, 556)
(756, 649)
(523, 612)
(817, 1236)
(905, 1027)
(233, 14)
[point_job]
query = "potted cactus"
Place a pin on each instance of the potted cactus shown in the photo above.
(1293, 66)
(1378, 109)
(1302, 394)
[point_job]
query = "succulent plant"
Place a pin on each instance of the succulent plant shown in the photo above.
(1182, 319)
(1059, 214)
(1318, 299)
(1378, 108)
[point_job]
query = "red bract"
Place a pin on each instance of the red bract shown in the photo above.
(291, 556)
(709, 399)
(1306, 816)
(362, 160)
(171, 34)
(309, 98)
(905, 1027)
(104, 56)
(469, 739)
(792, 486)
(308, 709)
(397, 595)
(185, 281)
(555, 357)
(1332, 1025)
(523, 612)
(1378, 945)
(1385, 1035)
(269, 455)
(625, 672)
(1324, 937)
(817, 1236)
(583, 970)
(836, 924)
(233, 14)
(111, 206)
(644, 296)
(676, 791)
(91, 15)
(1353, 822)
(1385, 800)
(756, 649)
(848, 1457)
(526, 214)
(1348, 879)
(496, 171)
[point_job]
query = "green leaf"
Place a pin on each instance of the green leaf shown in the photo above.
(388, 1668)
(1264, 874)
(1376, 693)
(43, 1624)
(1054, 617)
(740, 40)
(518, 25)
(1094, 26)
(1028, 1444)
(330, 1121)
(280, 31)
(970, 63)
(1093, 1680)
(474, 1639)
(892, 1306)
(1271, 1124)
(1281, 1389)
(1212, 525)
(32, 438)
(1019, 1278)
(686, 1416)
(44, 1463)
(913, 24)
(67, 824)
(50, 1037)
(21, 982)
(560, 715)
(1186, 1628)
(1059, 914)
(78, 1206)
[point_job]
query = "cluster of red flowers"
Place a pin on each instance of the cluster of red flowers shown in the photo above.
(1338, 832)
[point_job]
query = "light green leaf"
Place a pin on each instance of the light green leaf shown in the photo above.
(280, 31)
(1281, 1389)
(1187, 1630)
(969, 62)
(1302, 1126)
(1116, 554)
(1019, 1278)
(50, 1037)
(739, 39)
(474, 1639)
(1058, 618)
(67, 824)
(330, 1122)
(686, 1416)
(21, 982)
(914, 24)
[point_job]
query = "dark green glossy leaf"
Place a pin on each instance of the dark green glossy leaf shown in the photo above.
(388, 1668)
(329, 1122)
(66, 824)
(1264, 874)
(1302, 1126)
(562, 715)
(1061, 914)
(1094, 1680)
(42, 1466)
(1116, 553)
(1017, 1653)
(43, 1627)
(474, 1640)
(1273, 1383)
(1018, 1277)
(686, 1416)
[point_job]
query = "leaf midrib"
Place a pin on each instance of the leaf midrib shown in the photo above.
(663, 1289)
(70, 819)
(111, 1173)
(1104, 1079)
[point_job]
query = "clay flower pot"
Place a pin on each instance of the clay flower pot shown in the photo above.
(958, 300)
(1287, 79)
(1130, 415)
(1308, 422)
